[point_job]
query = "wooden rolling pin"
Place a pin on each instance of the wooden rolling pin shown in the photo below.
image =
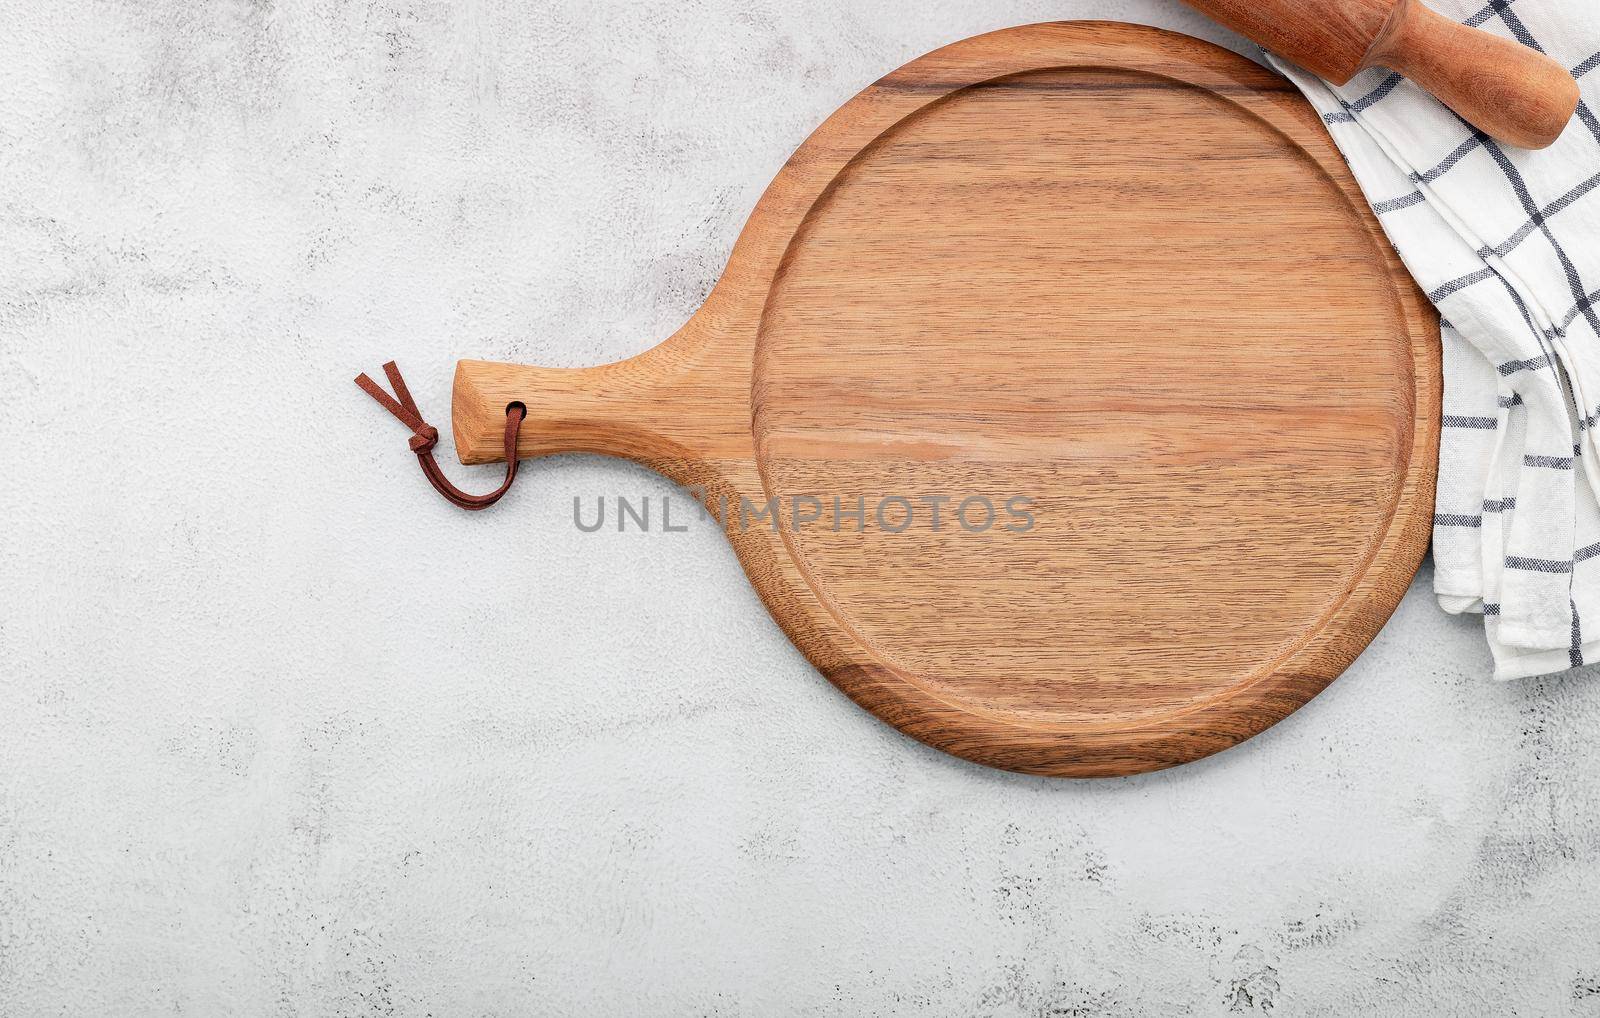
(1508, 91)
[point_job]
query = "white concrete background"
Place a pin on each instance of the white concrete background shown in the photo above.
(283, 734)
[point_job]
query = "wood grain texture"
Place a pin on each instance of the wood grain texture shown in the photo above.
(1509, 91)
(1118, 272)
(1329, 38)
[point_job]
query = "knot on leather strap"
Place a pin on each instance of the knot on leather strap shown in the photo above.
(425, 439)
(425, 436)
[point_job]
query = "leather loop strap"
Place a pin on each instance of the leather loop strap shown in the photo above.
(424, 437)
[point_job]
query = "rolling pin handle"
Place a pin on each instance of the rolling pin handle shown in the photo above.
(1509, 91)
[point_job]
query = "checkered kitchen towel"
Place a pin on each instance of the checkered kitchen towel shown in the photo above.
(1506, 243)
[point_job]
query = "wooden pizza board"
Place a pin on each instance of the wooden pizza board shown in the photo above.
(1119, 273)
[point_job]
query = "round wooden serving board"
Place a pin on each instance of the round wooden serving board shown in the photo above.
(1115, 283)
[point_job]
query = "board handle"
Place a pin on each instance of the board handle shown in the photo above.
(1511, 92)
(664, 406)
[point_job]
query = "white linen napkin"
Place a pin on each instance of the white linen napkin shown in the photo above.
(1506, 243)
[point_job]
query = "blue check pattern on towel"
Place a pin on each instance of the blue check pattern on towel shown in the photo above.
(1506, 243)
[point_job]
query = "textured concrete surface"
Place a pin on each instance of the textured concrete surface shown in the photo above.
(283, 734)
